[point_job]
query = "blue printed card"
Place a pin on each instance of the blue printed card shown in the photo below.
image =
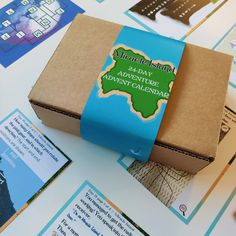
(24, 24)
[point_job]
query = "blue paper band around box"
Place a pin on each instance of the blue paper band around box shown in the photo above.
(126, 106)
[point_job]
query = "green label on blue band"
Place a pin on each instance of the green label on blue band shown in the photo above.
(126, 106)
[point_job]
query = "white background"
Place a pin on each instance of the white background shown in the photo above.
(96, 164)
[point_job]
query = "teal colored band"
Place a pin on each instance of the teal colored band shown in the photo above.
(128, 101)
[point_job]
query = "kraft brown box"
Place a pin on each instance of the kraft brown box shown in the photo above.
(189, 132)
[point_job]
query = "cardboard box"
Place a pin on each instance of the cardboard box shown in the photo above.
(189, 132)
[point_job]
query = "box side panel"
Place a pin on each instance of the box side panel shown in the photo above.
(178, 159)
(58, 120)
(167, 156)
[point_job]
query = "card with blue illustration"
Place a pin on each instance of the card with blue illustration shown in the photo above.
(28, 162)
(24, 24)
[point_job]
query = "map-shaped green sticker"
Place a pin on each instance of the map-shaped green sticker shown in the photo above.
(146, 83)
